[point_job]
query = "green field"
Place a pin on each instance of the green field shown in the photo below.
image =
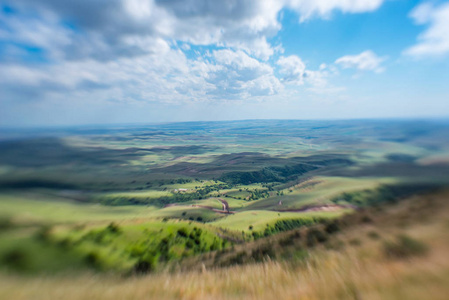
(141, 199)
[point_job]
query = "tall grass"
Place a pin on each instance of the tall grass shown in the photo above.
(353, 272)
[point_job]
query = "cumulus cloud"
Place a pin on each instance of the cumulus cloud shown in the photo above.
(168, 77)
(106, 29)
(324, 8)
(435, 40)
(365, 61)
(294, 71)
(292, 68)
(127, 50)
(235, 75)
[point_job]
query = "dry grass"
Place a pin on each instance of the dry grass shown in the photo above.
(355, 272)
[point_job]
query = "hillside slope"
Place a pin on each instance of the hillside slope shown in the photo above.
(395, 251)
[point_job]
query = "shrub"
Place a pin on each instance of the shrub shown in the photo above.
(332, 227)
(366, 219)
(43, 234)
(182, 232)
(262, 252)
(92, 259)
(287, 241)
(238, 259)
(404, 247)
(315, 236)
(142, 267)
(373, 235)
(113, 228)
(5, 223)
(355, 242)
(15, 259)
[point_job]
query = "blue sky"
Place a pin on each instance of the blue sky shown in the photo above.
(144, 61)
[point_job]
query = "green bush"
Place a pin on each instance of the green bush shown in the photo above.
(182, 232)
(373, 235)
(92, 259)
(16, 259)
(355, 242)
(332, 227)
(142, 267)
(263, 252)
(404, 247)
(315, 236)
(113, 228)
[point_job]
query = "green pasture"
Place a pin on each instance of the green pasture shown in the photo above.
(259, 219)
(26, 208)
(321, 190)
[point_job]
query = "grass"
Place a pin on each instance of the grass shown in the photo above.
(352, 272)
(259, 219)
(317, 190)
(113, 247)
(25, 208)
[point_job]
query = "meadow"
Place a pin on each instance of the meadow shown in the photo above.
(258, 203)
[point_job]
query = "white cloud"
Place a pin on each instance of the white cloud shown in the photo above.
(365, 61)
(435, 40)
(292, 69)
(235, 75)
(167, 77)
(130, 50)
(104, 30)
(323, 8)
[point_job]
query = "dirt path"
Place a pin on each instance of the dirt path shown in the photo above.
(225, 204)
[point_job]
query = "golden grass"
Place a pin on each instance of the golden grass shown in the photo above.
(354, 272)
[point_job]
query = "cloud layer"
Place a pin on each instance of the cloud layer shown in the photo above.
(194, 51)
(153, 50)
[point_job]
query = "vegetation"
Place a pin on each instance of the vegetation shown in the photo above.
(193, 213)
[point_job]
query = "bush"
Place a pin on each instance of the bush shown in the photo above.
(113, 228)
(373, 235)
(92, 259)
(238, 259)
(404, 247)
(355, 242)
(5, 223)
(142, 267)
(315, 236)
(15, 259)
(44, 233)
(332, 227)
(182, 232)
(262, 252)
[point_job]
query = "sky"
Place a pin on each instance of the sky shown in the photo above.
(67, 62)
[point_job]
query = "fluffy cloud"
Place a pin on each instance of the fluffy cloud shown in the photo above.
(292, 68)
(167, 77)
(324, 8)
(294, 71)
(127, 50)
(235, 75)
(435, 40)
(365, 61)
(107, 29)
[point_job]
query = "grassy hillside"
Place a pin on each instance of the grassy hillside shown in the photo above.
(396, 252)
